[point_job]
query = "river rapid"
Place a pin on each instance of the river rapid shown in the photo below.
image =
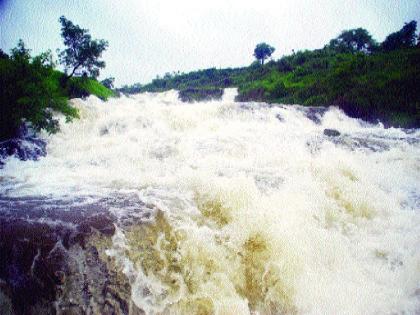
(237, 208)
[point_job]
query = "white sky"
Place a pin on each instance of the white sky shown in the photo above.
(149, 38)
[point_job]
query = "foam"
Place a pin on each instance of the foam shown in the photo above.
(253, 215)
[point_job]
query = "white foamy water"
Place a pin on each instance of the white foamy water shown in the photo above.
(256, 210)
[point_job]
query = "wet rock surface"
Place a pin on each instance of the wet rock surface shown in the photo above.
(26, 146)
(315, 113)
(331, 132)
(53, 258)
(373, 144)
(361, 142)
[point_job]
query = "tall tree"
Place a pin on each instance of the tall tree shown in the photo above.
(404, 38)
(262, 51)
(354, 40)
(82, 53)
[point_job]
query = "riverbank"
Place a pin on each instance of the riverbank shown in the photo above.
(379, 84)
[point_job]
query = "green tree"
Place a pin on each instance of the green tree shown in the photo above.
(404, 38)
(82, 53)
(30, 92)
(354, 40)
(262, 51)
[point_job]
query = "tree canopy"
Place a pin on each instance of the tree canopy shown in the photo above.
(82, 53)
(404, 38)
(354, 40)
(262, 51)
(30, 92)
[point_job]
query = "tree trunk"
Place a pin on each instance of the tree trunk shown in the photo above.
(66, 78)
(74, 70)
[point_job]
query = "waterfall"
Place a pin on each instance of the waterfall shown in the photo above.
(252, 208)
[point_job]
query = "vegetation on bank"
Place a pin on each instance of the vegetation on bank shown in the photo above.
(366, 79)
(379, 86)
(32, 89)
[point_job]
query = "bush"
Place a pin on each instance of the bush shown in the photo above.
(278, 91)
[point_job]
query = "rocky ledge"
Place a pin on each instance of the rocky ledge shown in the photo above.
(53, 259)
(25, 146)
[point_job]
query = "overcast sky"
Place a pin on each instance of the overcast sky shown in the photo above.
(151, 37)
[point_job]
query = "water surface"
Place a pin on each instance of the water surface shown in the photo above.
(238, 208)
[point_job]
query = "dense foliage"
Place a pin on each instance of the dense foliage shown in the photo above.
(366, 79)
(32, 90)
(383, 85)
(355, 40)
(404, 38)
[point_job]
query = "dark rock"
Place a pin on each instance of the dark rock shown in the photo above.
(71, 310)
(361, 143)
(278, 116)
(104, 131)
(6, 304)
(59, 265)
(315, 113)
(331, 132)
(25, 146)
(100, 222)
(60, 277)
(374, 145)
(24, 149)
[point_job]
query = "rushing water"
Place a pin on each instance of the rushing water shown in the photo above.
(243, 208)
